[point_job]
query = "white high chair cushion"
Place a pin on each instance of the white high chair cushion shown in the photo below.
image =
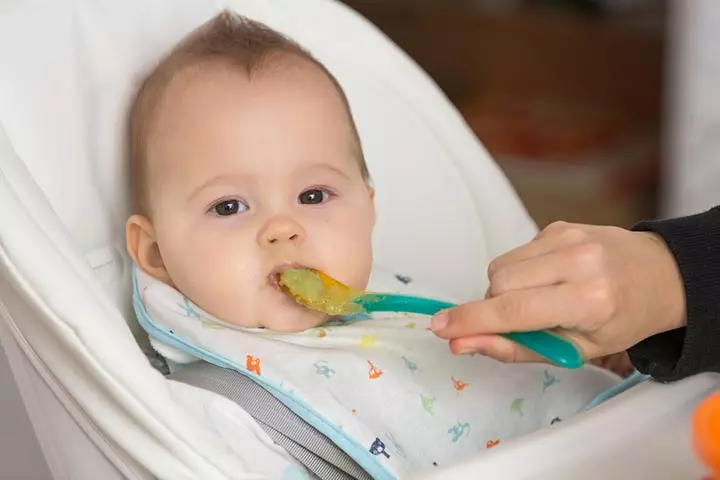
(69, 70)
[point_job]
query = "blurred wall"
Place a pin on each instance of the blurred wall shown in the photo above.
(692, 162)
(566, 96)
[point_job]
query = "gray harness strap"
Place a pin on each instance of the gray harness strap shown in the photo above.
(308, 446)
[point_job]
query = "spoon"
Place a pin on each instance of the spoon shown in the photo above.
(319, 291)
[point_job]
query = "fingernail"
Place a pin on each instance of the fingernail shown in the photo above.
(439, 321)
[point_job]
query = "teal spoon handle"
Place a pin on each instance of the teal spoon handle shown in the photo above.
(548, 345)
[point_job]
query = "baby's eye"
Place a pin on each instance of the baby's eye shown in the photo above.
(314, 196)
(227, 208)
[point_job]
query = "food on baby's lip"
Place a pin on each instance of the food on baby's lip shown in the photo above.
(318, 291)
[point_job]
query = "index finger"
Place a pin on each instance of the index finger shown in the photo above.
(525, 310)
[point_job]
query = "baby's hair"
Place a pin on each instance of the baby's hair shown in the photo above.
(229, 38)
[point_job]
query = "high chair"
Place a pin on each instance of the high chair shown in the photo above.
(78, 358)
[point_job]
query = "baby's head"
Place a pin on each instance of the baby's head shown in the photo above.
(245, 159)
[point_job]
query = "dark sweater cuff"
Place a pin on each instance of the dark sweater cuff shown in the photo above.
(695, 243)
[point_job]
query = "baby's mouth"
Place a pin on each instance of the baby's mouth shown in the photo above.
(273, 278)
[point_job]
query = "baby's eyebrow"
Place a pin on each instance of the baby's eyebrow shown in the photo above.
(331, 168)
(226, 177)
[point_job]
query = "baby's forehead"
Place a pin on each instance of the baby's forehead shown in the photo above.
(198, 100)
(204, 82)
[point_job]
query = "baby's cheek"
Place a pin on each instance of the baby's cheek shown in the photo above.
(214, 260)
(357, 262)
(215, 269)
(219, 296)
(194, 276)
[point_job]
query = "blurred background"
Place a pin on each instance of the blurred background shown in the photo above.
(577, 100)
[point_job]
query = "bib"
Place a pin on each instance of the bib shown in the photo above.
(384, 389)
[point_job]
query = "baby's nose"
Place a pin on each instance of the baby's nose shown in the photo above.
(281, 230)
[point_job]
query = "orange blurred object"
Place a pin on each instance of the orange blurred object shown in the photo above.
(706, 433)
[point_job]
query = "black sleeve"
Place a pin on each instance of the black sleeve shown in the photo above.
(673, 355)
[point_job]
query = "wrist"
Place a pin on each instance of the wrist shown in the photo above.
(670, 288)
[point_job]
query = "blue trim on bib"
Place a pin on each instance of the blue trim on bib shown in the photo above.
(357, 452)
(634, 379)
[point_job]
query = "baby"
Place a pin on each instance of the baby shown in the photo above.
(245, 160)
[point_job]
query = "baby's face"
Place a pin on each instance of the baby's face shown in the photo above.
(249, 176)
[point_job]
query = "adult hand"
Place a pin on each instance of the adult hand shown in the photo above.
(604, 288)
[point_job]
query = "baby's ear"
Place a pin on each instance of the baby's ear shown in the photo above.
(143, 248)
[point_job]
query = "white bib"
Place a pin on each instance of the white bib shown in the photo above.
(386, 390)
